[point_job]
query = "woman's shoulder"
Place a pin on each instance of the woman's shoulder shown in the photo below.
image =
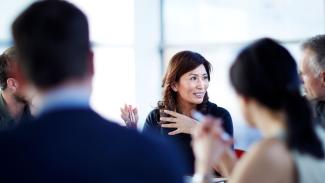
(271, 148)
(214, 109)
(268, 155)
(153, 115)
(153, 112)
(272, 153)
(151, 123)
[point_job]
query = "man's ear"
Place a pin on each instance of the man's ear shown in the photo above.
(90, 63)
(322, 78)
(12, 84)
(20, 76)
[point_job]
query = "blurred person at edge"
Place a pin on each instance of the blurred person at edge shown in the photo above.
(68, 141)
(14, 103)
(265, 78)
(312, 73)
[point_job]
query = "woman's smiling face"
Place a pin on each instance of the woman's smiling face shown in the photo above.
(192, 86)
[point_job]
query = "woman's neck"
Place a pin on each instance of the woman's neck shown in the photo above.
(185, 108)
(271, 123)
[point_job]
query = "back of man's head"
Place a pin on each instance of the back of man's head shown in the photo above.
(52, 39)
(7, 60)
(316, 45)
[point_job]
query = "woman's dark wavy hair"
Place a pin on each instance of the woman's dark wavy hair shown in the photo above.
(267, 72)
(181, 63)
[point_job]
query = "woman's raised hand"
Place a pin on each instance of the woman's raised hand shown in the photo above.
(129, 114)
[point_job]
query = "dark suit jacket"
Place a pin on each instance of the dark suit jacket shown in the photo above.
(78, 145)
(320, 113)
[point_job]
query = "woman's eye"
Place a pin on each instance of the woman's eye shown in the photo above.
(205, 77)
(193, 78)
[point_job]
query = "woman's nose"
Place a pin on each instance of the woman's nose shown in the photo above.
(200, 84)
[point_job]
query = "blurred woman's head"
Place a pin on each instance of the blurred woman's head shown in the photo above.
(266, 72)
(186, 81)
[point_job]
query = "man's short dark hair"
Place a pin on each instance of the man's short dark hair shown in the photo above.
(317, 45)
(52, 39)
(6, 60)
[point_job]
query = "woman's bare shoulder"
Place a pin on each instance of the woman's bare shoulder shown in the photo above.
(267, 161)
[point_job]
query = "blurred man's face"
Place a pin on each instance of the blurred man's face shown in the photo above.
(20, 96)
(312, 82)
(20, 84)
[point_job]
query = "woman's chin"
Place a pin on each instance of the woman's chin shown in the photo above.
(197, 101)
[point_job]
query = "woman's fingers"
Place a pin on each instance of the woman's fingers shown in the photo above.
(168, 119)
(122, 110)
(169, 125)
(135, 111)
(172, 113)
(129, 114)
(175, 132)
(124, 115)
(136, 116)
(132, 117)
(129, 109)
(125, 107)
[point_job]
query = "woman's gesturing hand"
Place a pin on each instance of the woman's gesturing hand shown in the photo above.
(130, 116)
(182, 123)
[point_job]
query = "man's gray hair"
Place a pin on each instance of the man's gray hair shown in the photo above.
(316, 44)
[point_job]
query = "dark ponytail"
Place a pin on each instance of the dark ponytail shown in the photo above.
(267, 72)
(301, 134)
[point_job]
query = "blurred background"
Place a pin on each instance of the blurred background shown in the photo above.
(133, 41)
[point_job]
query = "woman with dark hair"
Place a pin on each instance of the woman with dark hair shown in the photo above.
(265, 78)
(185, 87)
